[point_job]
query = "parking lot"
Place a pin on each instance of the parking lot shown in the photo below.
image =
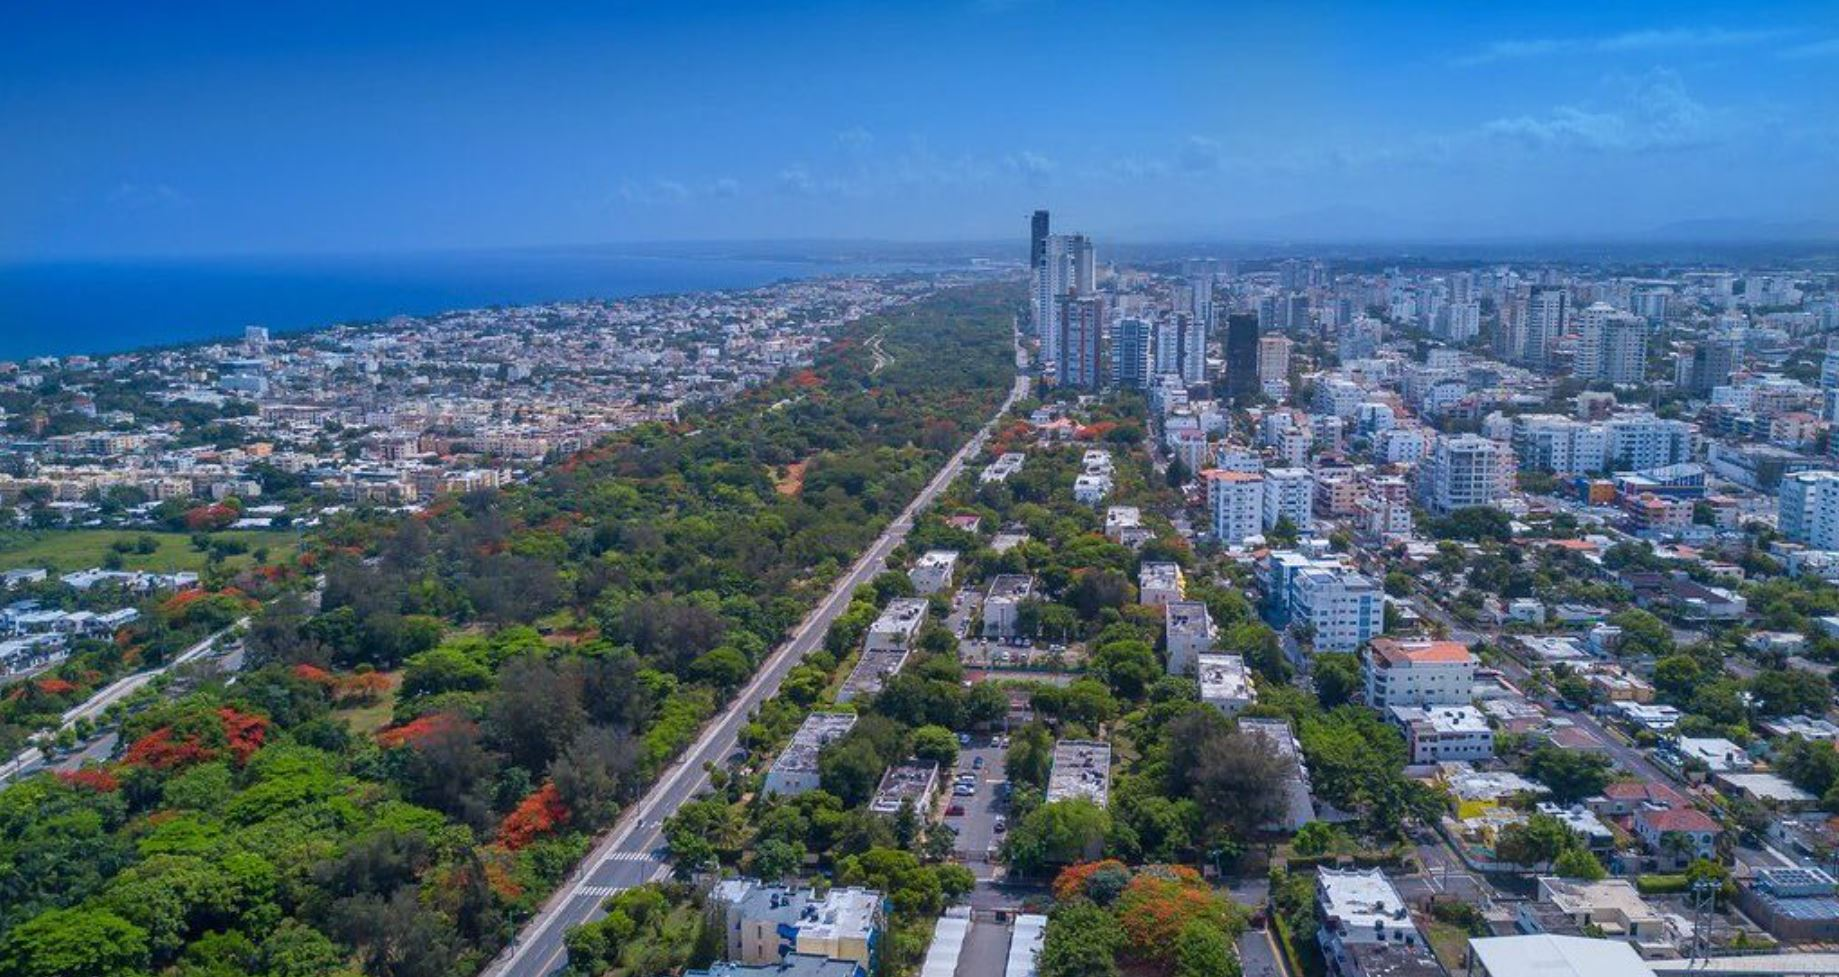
(976, 825)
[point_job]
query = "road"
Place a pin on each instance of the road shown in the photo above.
(630, 853)
(93, 707)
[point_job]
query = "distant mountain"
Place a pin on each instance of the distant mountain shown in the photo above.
(1738, 229)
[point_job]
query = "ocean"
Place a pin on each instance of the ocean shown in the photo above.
(92, 307)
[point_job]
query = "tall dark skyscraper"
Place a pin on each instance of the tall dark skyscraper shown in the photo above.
(1242, 356)
(1037, 239)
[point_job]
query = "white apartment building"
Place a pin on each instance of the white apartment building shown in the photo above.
(1289, 493)
(1418, 673)
(1236, 501)
(1466, 470)
(898, 622)
(1082, 769)
(1159, 584)
(1637, 442)
(1003, 602)
(1343, 608)
(1225, 684)
(1807, 508)
(795, 771)
(1554, 443)
(1612, 347)
(1337, 397)
(1401, 445)
(933, 571)
(1188, 632)
(1274, 358)
(1436, 734)
(1366, 928)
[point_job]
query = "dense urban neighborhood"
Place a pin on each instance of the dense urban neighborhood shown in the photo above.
(1200, 617)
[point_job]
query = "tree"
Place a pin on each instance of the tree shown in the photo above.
(1082, 940)
(1337, 678)
(1056, 834)
(1031, 756)
(1576, 862)
(985, 704)
(1128, 667)
(1202, 950)
(936, 743)
(75, 943)
(1537, 841)
(1571, 775)
(1779, 692)
(1643, 634)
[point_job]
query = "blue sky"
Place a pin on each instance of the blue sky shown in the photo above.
(176, 129)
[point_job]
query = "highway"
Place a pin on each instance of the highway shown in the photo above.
(630, 853)
(93, 707)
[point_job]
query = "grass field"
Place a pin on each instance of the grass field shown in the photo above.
(64, 550)
(365, 720)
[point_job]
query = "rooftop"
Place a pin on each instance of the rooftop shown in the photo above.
(1394, 653)
(1082, 768)
(910, 781)
(1546, 955)
(818, 729)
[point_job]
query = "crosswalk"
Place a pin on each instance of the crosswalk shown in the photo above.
(598, 891)
(630, 856)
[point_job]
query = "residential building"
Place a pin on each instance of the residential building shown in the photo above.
(933, 571)
(795, 771)
(1795, 904)
(1132, 356)
(1418, 673)
(1342, 609)
(1637, 442)
(1160, 583)
(1612, 347)
(1236, 501)
(999, 470)
(1611, 906)
(1188, 632)
(1081, 346)
(1677, 836)
(1550, 955)
(1807, 509)
(1002, 602)
(897, 624)
(792, 965)
(872, 671)
(1225, 683)
(1540, 319)
(1366, 929)
(1466, 470)
(1082, 769)
(1437, 734)
(1289, 493)
(764, 923)
(912, 782)
(1274, 357)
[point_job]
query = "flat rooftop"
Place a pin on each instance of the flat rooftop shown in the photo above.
(1082, 768)
(818, 729)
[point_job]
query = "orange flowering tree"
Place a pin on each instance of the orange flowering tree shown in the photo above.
(537, 815)
(1160, 902)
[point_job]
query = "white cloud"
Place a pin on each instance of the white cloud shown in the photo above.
(1655, 112)
(725, 187)
(1629, 42)
(1032, 166)
(856, 139)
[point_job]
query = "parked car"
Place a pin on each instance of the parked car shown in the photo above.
(977, 763)
(964, 790)
(956, 810)
(1002, 824)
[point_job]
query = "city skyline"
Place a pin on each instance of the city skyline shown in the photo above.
(229, 131)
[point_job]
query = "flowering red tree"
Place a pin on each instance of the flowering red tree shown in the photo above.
(1159, 902)
(538, 814)
(420, 729)
(1071, 883)
(91, 778)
